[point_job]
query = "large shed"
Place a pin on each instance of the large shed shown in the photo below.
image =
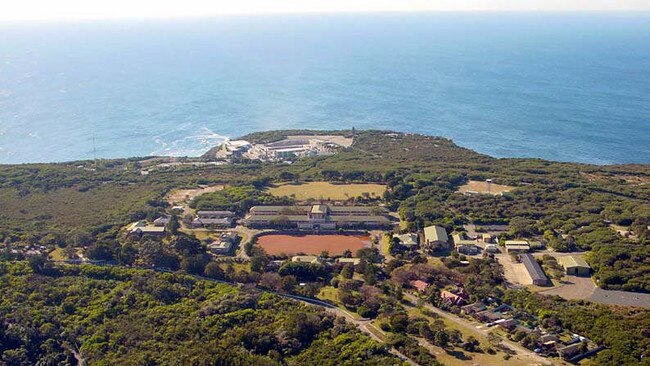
(436, 237)
(574, 265)
(534, 270)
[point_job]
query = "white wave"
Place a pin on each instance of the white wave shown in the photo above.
(193, 145)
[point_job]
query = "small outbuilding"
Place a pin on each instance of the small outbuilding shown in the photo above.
(517, 246)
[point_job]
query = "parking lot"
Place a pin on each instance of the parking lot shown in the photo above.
(584, 288)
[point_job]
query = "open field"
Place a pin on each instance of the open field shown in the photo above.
(482, 187)
(327, 191)
(312, 244)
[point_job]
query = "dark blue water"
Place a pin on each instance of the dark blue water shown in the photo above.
(570, 87)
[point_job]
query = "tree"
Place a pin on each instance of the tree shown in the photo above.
(441, 339)
(347, 271)
(40, 265)
(101, 251)
(213, 270)
(194, 264)
(271, 281)
(288, 283)
(127, 254)
(399, 322)
(471, 345)
(173, 225)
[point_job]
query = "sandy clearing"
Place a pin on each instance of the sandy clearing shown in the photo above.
(483, 187)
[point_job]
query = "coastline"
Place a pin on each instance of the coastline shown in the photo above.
(205, 144)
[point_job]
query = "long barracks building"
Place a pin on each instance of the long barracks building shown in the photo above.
(323, 217)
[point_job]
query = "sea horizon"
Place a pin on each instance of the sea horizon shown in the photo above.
(571, 86)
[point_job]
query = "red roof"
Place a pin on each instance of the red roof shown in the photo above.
(420, 285)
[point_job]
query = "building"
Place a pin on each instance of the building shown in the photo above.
(305, 259)
(225, 244)
(507, 324)
(318, 217)
(409, 240)
(574, 265)
(353, 261)
(468, 247)
(435, 237)
(419, 285)
(492, 248)
(161, 221)
(233, 148)
(517, 246)
(534, 270)
(570, 351)
(291, 148)
(452, 298)
(214, 214)
(473, 308)
(213, 219)
(141, 228)
(487, 316)
(487, 238)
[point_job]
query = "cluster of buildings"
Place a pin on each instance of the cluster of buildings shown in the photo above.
(318, 217)
(289, 148)
(571, 347)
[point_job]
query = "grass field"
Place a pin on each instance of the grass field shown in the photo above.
(327, 191)
(482, 187)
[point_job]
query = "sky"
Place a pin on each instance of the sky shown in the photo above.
(57, 10)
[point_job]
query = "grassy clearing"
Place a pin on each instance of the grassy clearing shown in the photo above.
(385, 247)
(327, 191)
(201, 234)
(237, 266)
(482, 187)
(58, 255)
(329, 293)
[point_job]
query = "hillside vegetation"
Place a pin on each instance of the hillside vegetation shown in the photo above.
(109, 316)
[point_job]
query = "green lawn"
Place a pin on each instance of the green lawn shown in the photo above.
(327, 191)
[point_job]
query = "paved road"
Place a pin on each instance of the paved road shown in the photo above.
(472, 328)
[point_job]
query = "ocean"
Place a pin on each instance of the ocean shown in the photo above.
(566, 87)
